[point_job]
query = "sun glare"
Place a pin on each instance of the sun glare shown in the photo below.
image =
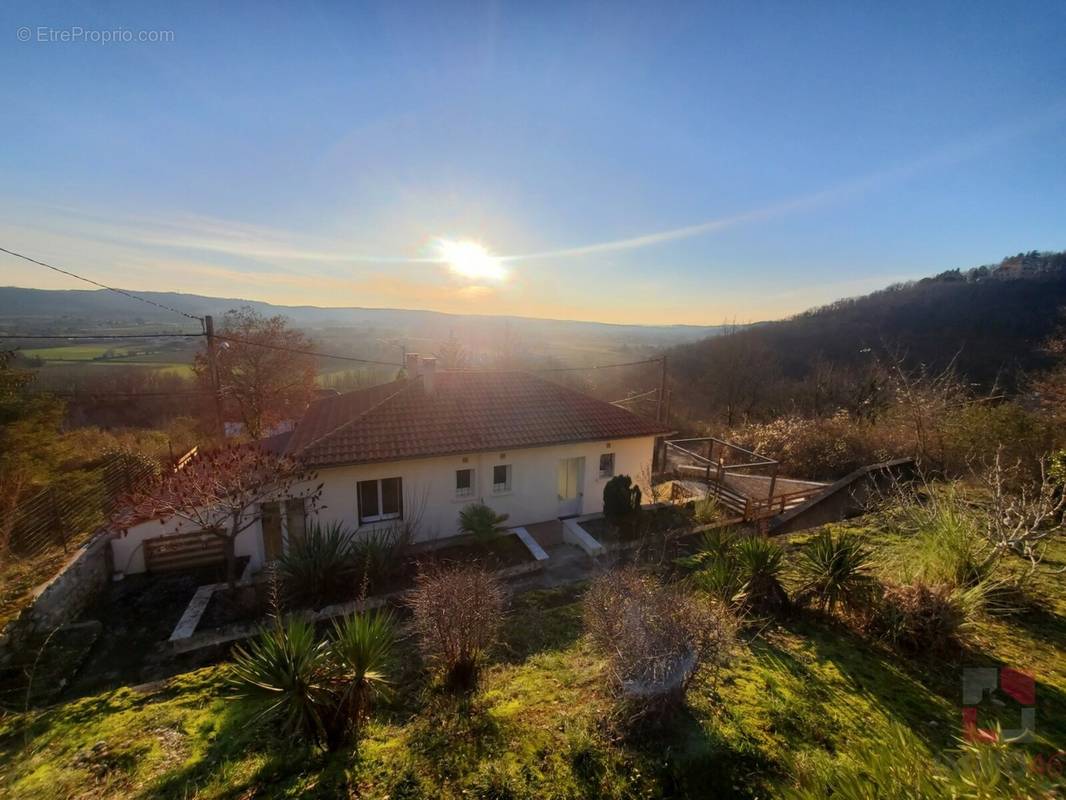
(470, 260)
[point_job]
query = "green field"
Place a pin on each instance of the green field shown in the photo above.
(91, 355)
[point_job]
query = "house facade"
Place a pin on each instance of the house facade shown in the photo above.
(415, 451)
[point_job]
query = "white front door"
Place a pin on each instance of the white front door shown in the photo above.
(571, 477)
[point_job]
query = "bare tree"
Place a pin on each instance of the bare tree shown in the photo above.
(221, 492)
(264, 379)
(1022, 520)
(451, 354)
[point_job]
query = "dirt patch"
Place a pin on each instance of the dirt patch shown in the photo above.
(138, 615)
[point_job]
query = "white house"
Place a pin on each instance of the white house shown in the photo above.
(434, 441)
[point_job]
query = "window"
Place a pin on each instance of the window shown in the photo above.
(607, 465)
(501, 478)
(464, 482)
(380, 500)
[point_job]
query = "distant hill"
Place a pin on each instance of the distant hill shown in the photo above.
(76, 310)
(993, 321)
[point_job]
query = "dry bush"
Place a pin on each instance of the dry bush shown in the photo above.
(457, 612)
(820, 448)
(920, 617)
(656, 637)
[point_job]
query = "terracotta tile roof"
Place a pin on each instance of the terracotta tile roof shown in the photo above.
(466, 412)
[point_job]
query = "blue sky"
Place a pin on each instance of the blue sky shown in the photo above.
(629, 162)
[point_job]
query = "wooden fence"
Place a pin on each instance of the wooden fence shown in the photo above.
(66, 513)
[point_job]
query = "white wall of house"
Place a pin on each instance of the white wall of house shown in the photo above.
(533, 495)
(127, 548)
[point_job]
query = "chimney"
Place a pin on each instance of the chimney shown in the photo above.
(410, 366)
(429, 374)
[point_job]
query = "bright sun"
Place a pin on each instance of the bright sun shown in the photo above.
(470, 260)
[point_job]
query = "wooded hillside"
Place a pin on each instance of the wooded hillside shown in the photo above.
(994, 323)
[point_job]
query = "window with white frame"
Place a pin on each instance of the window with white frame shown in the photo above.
(380, 499)
(607, 465)
(464, 483)
(501, 478)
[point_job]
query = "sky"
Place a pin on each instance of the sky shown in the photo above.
(622, 162)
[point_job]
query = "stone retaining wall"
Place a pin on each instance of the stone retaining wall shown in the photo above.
(82, 579)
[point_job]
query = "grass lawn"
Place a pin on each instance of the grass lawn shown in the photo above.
(802, 693)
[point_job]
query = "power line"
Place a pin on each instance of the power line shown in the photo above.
(82, 336)
(101, 285)
(306, 352)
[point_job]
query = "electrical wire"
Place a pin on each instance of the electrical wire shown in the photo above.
(101, 285)
(306, 352)
(85, 337)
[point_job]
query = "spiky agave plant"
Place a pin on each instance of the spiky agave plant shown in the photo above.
(319, 568)
(836, 571)
(362, 647)
(720, 576)
(759, 561)
(286, 673)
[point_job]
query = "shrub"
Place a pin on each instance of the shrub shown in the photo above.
(721, 578)
(716, 543)
(836, 571)
(362, 651)
(707, 511)
(457, 613)
(655, 638)
(920, 617)
(319, 691)
(286, 671)
(744, 573)
(376, 556)
(943, 540)
(318, 568)
(621, 496)
(819, 448)
(482, 522)
(759, 560)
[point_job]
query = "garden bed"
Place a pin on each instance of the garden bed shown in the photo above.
(614, 533)
(506, 556)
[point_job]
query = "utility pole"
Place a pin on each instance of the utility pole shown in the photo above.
(659, 411)
(212, 363)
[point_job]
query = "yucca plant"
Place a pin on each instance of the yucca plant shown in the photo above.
(716, 543)
(287, 672)
(362, 649)
(319, 568)
(836, 571)
(375, 556)
(707, 511)
(482, 522)
(720, 577)
(759, 561)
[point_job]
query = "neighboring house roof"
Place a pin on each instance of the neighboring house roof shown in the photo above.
(465, 412)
